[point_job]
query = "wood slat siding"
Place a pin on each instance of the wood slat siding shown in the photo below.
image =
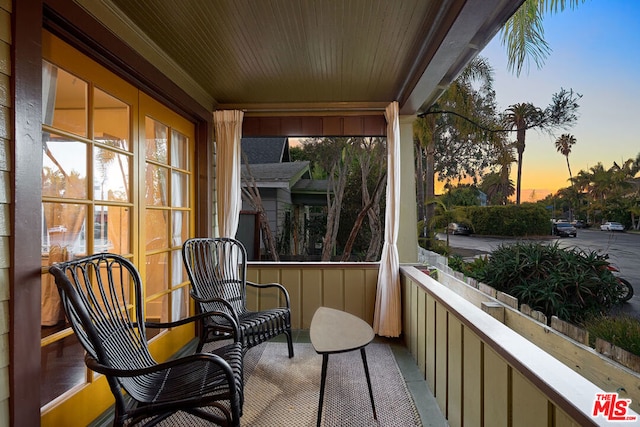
(5, 198)
(350, 287)
(480, 371)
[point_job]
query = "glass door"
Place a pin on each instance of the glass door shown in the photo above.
(116, 177)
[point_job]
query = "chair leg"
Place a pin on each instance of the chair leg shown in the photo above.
(289, 342)
(202, 339)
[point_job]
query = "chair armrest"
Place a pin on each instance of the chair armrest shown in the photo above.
(222, 301)
(232, 320)
(214, 359)
(282, 289)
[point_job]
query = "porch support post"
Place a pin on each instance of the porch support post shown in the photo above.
(407, 233)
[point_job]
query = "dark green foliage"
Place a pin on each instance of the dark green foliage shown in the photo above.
(470, 269)
(568, 283)
(439, 247)
(457, 263)
(431, 242)
(511, 220)
(351, 206)
(462, 195)
(622, 331)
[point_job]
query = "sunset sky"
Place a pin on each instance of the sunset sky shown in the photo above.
(596, 52)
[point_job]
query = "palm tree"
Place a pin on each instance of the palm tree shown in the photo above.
(424, 135)
(523, 34)
(581, 183)
(521, 117)
(561, 113)
(563, 146)
(444, 216)
(496, 188)
(461, 96)
(602, 182)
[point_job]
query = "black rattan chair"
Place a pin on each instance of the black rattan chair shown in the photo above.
(217, 268)
(102, 298)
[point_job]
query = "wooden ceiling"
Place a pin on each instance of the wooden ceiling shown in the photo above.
(307, 55)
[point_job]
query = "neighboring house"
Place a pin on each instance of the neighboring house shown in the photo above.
(265, 150)
(287, 193)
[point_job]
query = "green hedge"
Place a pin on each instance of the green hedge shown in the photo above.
(511, 220)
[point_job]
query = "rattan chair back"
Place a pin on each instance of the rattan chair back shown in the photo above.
(102, 299)
(217, 269)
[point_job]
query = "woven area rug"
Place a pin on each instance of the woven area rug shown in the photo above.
(284, 392)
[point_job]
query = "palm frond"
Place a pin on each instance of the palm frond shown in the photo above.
(523, 34)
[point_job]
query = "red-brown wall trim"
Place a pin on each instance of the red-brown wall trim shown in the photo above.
(204, 191)
(368, 125)
(24, 334)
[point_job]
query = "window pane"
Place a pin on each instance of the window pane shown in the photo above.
(111, 229)
(62, 367)
(64, 99)
(111, 120)
(111, 175)
(179, 153)
(64, 227)
(156, 229)
(180, 228)
(156, 185)
(179, 189)
(179, 274)
(157, 310)
(156, 145)
(157, 277)
(180, 304)
(64, 168)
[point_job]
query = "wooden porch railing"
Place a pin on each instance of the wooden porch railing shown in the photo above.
(480, 371)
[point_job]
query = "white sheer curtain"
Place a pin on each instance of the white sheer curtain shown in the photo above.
(177, 191)
(51, 313)
(387, 316)
(228, 126)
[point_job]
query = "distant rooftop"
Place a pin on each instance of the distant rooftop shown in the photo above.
(266, 150)
(289, 172)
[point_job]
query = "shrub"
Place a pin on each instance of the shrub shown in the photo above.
(621, 331)
(568, 283)
(470, 269)
(510, 220)
(457, 263)
(440, 247)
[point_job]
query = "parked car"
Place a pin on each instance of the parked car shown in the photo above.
(578, 223)
(564, 229)
(612, 226)
(458, 228)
